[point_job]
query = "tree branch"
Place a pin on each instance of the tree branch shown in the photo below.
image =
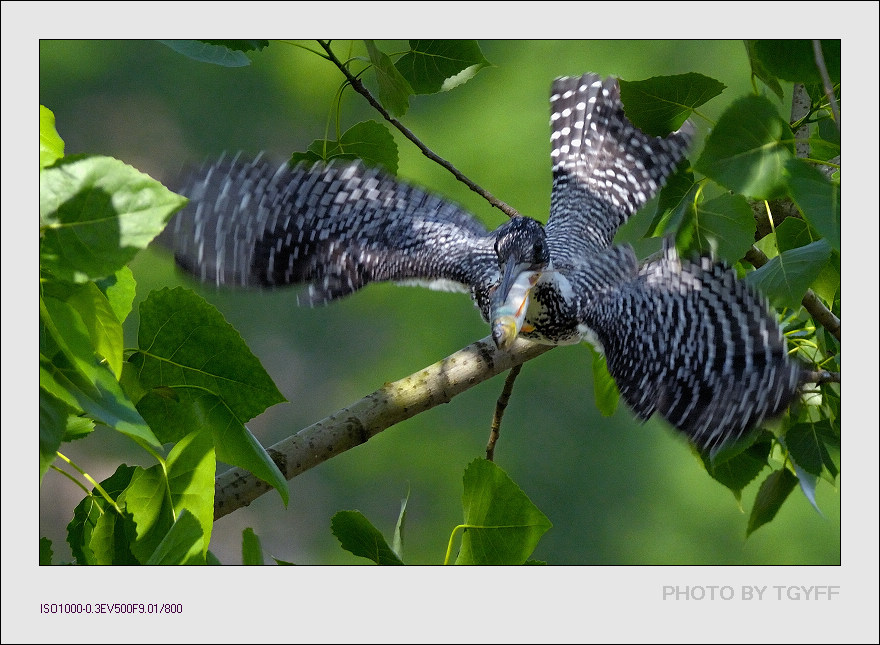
(820, 377)
(801, 104)
(364, 419)
(359, 87)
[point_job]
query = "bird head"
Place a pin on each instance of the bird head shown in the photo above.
(521, 247)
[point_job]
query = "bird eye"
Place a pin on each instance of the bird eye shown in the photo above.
(540, 251)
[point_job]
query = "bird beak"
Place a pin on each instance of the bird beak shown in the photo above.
(507, 310)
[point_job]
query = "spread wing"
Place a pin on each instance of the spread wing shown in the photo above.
(333, 227)
(689, 341)
(604, 168)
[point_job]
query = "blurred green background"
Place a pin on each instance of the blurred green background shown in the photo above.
(617, 491)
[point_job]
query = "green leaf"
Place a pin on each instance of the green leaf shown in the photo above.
(501, 524)
(240, 45)
(184, 343)
(183, 544)
(105, 329)
(51, 144)
(251, 550)
(284, 563)
(440, 65)
(75, 376)
(176, 411)
(794, 60)
(793, 233)
(738, 470)
(675, 203)
(156, 496)
(357, 535)
(79, 530)
(202, 374)
(605, 389)
(147, 500)
(806, 447)
(94, 520)
(119, 289)
(110, 539)
(226, 53)
(827, 284)
(807, 483)
(786, 278)
(191, 467)
(773, 492)
(53, 422)
(77, 428)
(96, 213)
(394, 91)
(817, 197)
(825, 140)
(828, 431)
(397, 541)
(661, 104)
(723, 227)
(369, 141)
(761, 72)
(45, 552)
(95, 313)
(747, 150)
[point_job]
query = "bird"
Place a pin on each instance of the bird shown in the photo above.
(683, 338)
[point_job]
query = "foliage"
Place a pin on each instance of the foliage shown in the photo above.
(184, 393)
(501, 525)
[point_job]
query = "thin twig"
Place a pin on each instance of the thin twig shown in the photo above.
(500, 407)
(826, 81)
(359, 87)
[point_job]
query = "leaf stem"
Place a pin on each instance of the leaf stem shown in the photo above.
(461, 528)
(97, 486)
(74, 480)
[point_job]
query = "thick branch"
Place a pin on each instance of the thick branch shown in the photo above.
(820, 313)
(357, 423)
(359, 87)
(800, 108)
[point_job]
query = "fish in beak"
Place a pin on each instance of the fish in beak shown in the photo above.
(507, 311)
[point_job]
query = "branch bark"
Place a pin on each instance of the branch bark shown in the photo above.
(358, 423)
